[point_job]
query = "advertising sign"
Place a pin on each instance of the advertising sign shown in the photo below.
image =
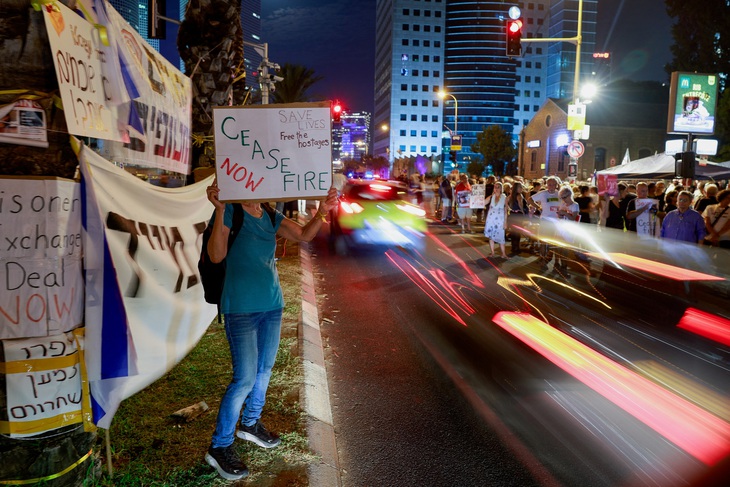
(692, 103)
(273, 152)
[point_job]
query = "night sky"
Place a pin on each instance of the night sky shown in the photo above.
(336, 39)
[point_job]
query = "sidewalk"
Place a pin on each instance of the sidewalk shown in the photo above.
(315, 393)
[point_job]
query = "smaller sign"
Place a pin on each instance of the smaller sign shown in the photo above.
(463, 199)
(607, 183)
(23, 122)
(584, 133)
(576, 148)
(672, 147)
(576, 116)
(456, 142)
(706, 147)
(572, 169)
(42, 377)
(478, 192)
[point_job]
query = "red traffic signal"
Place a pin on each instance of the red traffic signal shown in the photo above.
(336, 111)
(514, 37)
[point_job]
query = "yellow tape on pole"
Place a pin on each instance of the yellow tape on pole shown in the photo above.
(50, 477)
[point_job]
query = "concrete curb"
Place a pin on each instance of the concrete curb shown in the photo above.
(315, 391)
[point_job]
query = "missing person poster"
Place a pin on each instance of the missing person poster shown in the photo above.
(23, 122)
(273, 152)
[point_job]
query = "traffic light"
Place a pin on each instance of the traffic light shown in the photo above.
(156, 25)
(336, 111)
(514, 37)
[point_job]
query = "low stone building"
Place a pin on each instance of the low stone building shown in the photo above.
(627, 116)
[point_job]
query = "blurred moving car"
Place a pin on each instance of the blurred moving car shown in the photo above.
(373, 212)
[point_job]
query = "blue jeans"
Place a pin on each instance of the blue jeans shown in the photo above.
(254, 340)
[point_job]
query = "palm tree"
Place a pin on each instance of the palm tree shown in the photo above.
(297, 80)
(210, 42)
(26, 65)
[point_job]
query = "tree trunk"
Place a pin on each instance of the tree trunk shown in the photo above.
(26, 64)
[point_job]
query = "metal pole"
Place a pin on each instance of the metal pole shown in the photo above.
(456, 115)
(578, 39)
(263, 51)
(265, 84)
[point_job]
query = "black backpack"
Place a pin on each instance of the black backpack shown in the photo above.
(212, 275)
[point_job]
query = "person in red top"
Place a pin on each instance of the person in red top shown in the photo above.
(462, 192)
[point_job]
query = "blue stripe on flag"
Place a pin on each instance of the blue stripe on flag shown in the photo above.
(97, 412)
(134, 120)
(114, 341)
(127, 77)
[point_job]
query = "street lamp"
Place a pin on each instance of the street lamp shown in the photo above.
(587, 92)
(442, 94)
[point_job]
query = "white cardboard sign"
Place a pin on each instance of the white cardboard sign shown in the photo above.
(273, 152)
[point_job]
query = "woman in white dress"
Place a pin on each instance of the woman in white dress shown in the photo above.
(496, 220)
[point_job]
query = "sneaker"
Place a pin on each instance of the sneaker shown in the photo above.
(258, 434)
(226, 461)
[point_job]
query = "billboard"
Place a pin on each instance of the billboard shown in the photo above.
(692, 103)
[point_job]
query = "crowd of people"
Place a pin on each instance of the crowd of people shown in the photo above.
(690, 211)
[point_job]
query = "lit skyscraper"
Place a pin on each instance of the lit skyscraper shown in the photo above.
(351, 136)
(477, 70)
(459, 46)
(408, 74)
(561, 55)
(251, 24)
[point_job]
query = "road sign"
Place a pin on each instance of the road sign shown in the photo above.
(576, 148)
(456, 142)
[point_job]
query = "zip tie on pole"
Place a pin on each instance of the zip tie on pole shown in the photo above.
(50, 477)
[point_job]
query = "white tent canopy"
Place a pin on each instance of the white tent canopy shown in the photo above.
(662, 166)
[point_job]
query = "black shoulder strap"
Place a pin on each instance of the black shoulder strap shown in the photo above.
(237, 223)
(717, 218)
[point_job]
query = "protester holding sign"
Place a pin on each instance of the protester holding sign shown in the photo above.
(641, 212)
(252, 304)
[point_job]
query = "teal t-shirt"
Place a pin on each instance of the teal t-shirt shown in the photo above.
(252, 281)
